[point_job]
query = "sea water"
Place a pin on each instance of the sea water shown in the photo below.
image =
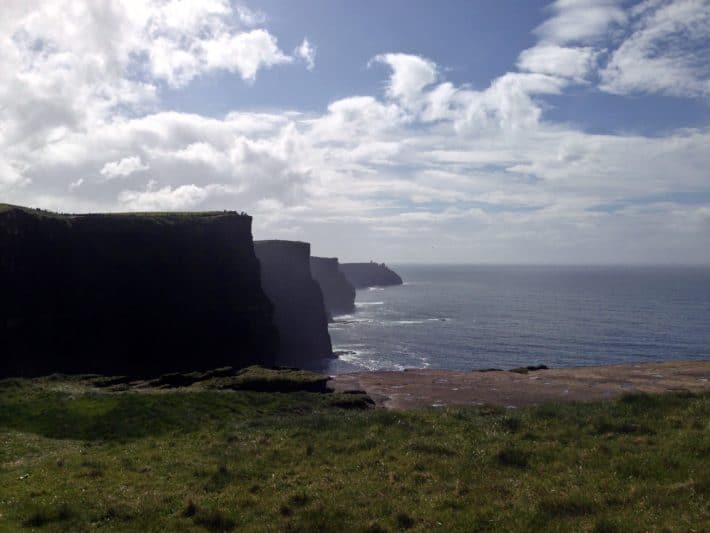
(473, 317)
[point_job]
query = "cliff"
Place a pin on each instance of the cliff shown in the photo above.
(299, 311)
(369, 274)
(136, 294)
(338, 292)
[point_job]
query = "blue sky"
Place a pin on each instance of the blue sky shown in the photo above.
(570, 131)
(474, 42)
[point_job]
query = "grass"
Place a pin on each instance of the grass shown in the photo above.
(261, 379)
(157, 215)
(74, 457)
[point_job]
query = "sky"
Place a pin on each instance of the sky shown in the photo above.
(488, 131)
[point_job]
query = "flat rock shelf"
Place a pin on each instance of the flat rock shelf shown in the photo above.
(520, 387)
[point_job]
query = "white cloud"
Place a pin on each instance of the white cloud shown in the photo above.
(250, 17)
(410, 75)
(554, 60)
(668, 51)
(163, 199)
(428, 170)
(307, 52)
(122, 168)
(580, 21)
(245, 53)
(10, 175)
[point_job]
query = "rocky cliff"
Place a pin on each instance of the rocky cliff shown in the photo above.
(370, 274)
(338, 292)
(136, 294)
(299, 311)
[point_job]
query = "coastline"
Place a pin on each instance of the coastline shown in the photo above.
(415, 388)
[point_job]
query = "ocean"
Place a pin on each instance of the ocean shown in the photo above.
(474, 317)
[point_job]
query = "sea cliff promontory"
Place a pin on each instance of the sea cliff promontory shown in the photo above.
(338, 292)
(299, 311)
(370, 274)
(136, 294)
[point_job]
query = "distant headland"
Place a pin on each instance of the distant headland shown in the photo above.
(371, 274)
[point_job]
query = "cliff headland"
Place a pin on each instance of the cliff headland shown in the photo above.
(137, 294)
(371, 274)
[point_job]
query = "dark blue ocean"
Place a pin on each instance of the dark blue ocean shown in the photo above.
(472, 317)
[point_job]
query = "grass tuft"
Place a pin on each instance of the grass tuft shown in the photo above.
(404, 521)
(608, 525)
(213, 520)
(512, 456)
(189, 508)
(45, 516)
(564, 506)
(219, 479)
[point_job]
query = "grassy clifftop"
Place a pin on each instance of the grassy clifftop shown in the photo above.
(161, 215)
(78, 457)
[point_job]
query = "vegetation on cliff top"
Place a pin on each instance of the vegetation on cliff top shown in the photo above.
(78, 457)
(158, 215)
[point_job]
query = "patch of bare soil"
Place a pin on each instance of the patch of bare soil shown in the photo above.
(520, 387)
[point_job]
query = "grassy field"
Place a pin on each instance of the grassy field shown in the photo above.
(76, 457)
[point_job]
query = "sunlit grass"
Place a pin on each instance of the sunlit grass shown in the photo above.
(75, 458)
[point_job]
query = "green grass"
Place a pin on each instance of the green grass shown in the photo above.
(261, 379)
(157, 215)
(76, 458)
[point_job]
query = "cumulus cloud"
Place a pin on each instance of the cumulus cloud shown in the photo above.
(307, 52)
(425, 169)
(163, 199)
(410, 75)
(245, 53)
(122, 168)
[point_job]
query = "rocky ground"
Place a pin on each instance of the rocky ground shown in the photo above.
(520, 387)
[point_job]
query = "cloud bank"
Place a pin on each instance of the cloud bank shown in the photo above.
(428, 170)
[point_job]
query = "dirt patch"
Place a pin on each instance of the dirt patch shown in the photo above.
(439, 388)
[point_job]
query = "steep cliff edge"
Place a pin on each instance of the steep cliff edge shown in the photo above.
(370, 274)
(338, 292)
(299, 311)
(137, 294)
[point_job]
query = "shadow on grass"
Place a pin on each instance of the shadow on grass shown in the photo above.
(42, 517)
(122, 417)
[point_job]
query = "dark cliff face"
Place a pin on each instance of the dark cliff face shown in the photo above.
(338, 292)
(136, 294)
(299, 311)
(370, 274)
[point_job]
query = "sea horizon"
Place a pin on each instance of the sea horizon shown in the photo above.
(472, 316)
